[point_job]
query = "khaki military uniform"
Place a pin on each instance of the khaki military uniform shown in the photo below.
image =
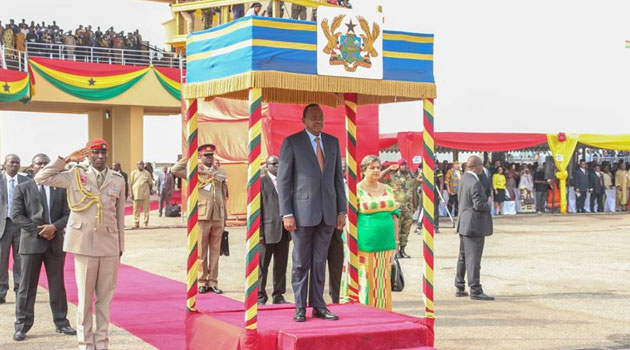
(403, 186)
(211, 213)
(141, 183)
(96, 238)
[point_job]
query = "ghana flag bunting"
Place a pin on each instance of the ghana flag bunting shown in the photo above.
(88, 81)
(170, 79)
(14, 86)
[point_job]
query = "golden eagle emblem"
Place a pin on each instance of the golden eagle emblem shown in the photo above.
(352, 49)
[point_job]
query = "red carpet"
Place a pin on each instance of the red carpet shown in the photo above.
(152, 308)
(176, 198)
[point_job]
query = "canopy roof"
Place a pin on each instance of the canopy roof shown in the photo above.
(279, 56)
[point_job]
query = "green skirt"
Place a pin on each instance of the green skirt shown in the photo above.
(376, 232)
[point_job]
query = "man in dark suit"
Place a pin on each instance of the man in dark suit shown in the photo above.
(116, 167)
(335, 253)
(473, 225)
(274, 239)
(9, 231)
(581, 186)
(312, 204)
(42, 213)
(596, 187)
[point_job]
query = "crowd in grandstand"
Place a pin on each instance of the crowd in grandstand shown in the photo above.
(17, 35)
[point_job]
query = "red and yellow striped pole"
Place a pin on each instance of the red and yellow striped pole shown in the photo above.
(193, 225)
(351, 165)
(428, 207)
(253, 218)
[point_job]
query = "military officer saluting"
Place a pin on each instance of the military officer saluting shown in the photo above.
(402, 182)
(95, 233)
(211, 215)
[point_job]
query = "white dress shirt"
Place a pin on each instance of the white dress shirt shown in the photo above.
(314, 144)
(274, 180)
(47, 190)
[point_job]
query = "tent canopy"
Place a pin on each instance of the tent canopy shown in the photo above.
(279, 56)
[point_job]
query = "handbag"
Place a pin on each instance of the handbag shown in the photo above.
(225, 244)
(173, 211)
(398, 280)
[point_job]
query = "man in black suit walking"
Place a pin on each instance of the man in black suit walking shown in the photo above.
(312, 204)
(473, 225)
(274, 239)
(581, 186)
(42, 212)
(9, 231)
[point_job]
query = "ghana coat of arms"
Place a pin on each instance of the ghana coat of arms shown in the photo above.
(350, 42)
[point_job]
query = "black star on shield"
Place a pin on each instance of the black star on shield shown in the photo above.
(6, 87)
(350, 26)
(91, 81)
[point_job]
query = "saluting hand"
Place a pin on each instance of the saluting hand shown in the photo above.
(78, 155)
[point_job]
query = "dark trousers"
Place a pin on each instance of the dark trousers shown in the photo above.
(280, 253)
(599, 197)
(310, 250)
(335, 266)
(580, 201)
(540, 201)
(452, 204)
(165, 197)
(469, 262)
(10, 242)
(25, 305)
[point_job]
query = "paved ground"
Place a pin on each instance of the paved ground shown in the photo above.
(561, 282)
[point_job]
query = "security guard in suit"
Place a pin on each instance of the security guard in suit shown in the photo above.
(95, 233)
(211, 215)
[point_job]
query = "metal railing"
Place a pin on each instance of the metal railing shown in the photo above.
(17, 60)
(106, 55)
(611, 159)
(11, 59)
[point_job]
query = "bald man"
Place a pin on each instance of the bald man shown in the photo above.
(473, 225)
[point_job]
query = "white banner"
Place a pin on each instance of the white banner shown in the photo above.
(349, 44)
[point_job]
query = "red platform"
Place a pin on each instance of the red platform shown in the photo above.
(152, 308)
(359, 327)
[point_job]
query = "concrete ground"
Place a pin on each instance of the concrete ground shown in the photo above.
(561, 282)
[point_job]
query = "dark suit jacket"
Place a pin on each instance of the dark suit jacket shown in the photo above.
(4, 214)
(581, 180)
(474, 211)
(271, 228)
(28, 213)
(595, 182)
(486, 183)
(305, 191)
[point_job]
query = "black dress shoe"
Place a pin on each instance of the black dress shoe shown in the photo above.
(461, 293)
(300, 315)
(403, 254)
(67, 330)
(262, 301)
(279, 300)
(203, 290)
(324, 313)
(19, 336)
(215, 289)
(481, 296)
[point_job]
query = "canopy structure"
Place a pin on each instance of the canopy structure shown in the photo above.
(275, 60)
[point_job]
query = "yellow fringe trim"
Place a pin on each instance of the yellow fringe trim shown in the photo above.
(301, 88)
